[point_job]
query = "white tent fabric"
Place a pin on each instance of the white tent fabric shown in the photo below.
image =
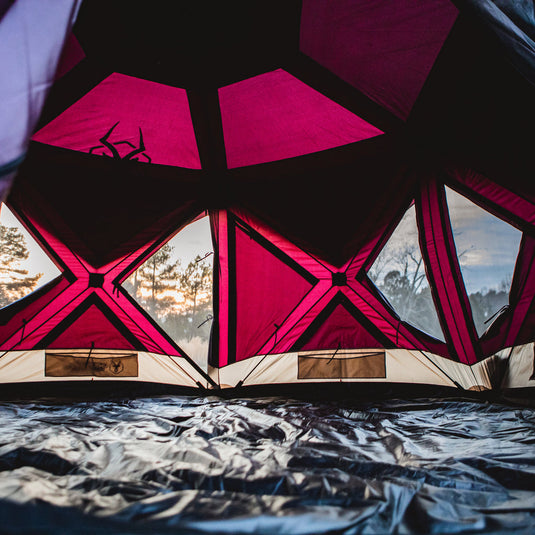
(32, 33)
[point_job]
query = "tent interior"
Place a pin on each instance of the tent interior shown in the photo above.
(298, 197)
(280, 193)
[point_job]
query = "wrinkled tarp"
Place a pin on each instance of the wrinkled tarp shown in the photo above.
(209, 465)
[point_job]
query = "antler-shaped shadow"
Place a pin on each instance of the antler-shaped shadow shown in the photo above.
(112, 146)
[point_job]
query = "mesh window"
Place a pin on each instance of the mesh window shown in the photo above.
(24, 266)
(175, 287)
(487, 248)
(399, 273)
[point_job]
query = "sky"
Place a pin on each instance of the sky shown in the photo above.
(193, 240)
(488, 246)
(38, 261)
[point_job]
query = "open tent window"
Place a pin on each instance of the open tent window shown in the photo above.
(24, 266)
(487, 248)
(175, 287)
(399, 273)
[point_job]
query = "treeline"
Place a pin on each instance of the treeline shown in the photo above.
(179, 298)
(15, 281)
(414, 303)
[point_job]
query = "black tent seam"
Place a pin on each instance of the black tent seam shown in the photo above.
(340, 299)
(208, 129)
(320, 78)
(278, 253)
(91, 299)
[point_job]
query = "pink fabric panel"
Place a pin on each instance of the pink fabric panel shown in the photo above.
(302, 318)
(70, 57)
(23, 317)
(318, 268)
(275, 116)
(522, 295)
(219, 225)
(92, 327)
(161, 112)
(341, 330)
(267, 291)
(436, 240)
(385, 49)
(48, 318)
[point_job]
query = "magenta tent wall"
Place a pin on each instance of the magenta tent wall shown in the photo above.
(320, 140)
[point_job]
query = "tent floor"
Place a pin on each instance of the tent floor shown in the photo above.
(204, 464)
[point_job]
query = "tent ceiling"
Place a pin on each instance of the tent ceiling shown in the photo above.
(187, 44)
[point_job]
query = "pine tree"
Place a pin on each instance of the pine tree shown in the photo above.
(178, 298)
(14, 280)
(196, 282)
(156, 276)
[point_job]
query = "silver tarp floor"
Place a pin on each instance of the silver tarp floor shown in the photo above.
(209, 465)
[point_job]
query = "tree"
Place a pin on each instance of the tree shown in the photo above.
(157, 276)
(196, 281)
(195, 285)
(405, 286)
(179, 299)
(486, 304)
(15, 281)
